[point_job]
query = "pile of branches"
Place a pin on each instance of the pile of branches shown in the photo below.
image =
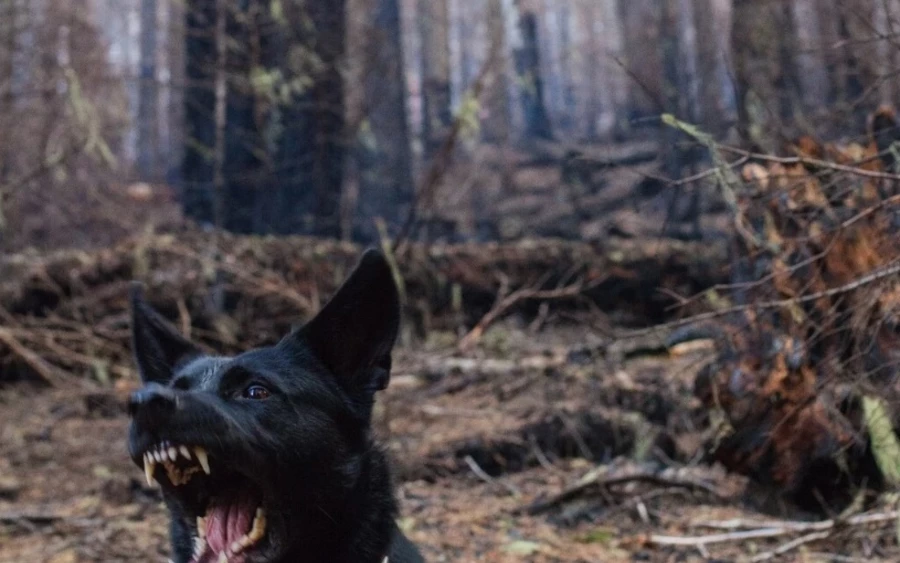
(809, 329)
(64, 316)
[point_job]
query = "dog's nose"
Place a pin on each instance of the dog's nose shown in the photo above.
(152, 403)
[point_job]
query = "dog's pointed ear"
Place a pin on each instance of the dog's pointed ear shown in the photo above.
(158, 348)
(354, 333)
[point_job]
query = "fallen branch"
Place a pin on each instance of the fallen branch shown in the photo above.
(506, 300)
(49, 374)
(595, 480)
(791, 545)
(481, 474)
(770, 529)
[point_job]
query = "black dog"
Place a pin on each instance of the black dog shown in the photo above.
(267, 457)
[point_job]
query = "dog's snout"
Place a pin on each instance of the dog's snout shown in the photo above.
(152, 403)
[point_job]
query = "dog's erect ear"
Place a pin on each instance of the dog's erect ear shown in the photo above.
(158, 348)
(354, 333)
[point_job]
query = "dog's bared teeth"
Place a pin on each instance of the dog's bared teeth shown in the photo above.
(185, 452)
(203, 458)
(199, 547)
(149, 466)
(173, 453)
(157, 456)
(256, 533)
(223, 558)
(201, 527)
(259, 526)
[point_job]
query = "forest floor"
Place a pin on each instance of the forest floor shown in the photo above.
(477, 440)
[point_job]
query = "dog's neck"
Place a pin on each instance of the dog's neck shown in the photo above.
(360, 529)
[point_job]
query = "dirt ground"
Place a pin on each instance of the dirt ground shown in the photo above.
(476, 440)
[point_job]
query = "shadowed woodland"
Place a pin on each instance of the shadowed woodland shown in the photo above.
(648, 254)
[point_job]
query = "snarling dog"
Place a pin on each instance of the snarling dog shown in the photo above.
(267, 456)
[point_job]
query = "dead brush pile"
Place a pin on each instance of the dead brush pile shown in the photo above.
(809, 328)
(64, 316)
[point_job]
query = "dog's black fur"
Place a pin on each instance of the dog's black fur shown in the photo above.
(300, 440)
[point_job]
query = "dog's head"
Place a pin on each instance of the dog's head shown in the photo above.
(246, 449)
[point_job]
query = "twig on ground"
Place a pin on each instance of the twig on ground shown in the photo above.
(506, 300)
(773, 528)
(481, 474)
(596, 480)
(45, 371)
(791, 545)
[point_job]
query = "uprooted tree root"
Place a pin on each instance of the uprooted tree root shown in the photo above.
(810, 324)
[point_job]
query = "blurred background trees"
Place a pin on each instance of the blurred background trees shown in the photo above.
(317, 116)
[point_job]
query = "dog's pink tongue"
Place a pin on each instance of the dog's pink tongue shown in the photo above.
(228, 521)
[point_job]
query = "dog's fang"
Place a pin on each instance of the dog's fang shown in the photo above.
(259, 526)
(185, 452)
(202, 458)
(149, 466)
(201, 527)
(223, 558)
(173, 453)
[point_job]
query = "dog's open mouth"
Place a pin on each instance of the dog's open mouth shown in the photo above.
(230, 521)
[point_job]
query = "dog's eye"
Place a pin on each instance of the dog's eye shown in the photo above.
(256, 392)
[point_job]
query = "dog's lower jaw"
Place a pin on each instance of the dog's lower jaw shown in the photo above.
(359, 529)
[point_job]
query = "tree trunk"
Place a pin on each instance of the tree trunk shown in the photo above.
(643, 57)
(606, 90)
(550, 29)
(264, 158)
(386, 188)
(885, 16)
(199, 99)
(496, 128)
(8, 43)
(528, 68)
(434, 27)
(148, 105)
(717, 97)
(220, 88)
(810, 62)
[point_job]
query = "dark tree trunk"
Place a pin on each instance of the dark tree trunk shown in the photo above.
(148, 104)
(496, 128)
(199, 101)
(278, 160)
(434, 28)
(528, 67)
(310, 156)
(385, 160)
(8, 36)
